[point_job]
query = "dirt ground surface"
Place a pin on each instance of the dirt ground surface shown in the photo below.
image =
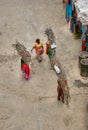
(33, 104)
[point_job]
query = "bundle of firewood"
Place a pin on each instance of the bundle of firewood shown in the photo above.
(21, 49)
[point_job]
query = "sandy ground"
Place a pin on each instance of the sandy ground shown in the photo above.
(32, 104)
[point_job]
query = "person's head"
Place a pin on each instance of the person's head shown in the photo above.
(38, 41)
(59, 82)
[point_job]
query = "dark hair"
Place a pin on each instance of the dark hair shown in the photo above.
(59, 82)
(38, 40)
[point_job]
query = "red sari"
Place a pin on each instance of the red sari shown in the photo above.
(26, 70)
(60, 93)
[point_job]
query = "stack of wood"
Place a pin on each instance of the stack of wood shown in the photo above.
(50, 35)
(21, 49)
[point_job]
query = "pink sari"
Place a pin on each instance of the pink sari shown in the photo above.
(26, 71)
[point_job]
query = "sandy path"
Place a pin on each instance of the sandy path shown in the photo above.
(33, 105)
